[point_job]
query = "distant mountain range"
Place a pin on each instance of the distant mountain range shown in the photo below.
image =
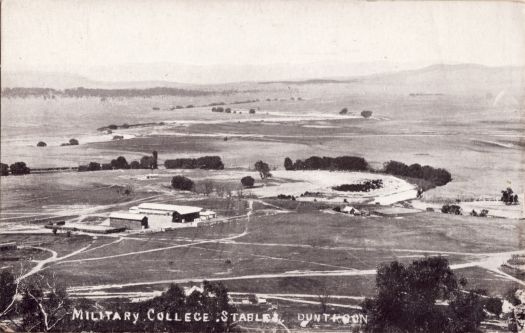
(435, 78)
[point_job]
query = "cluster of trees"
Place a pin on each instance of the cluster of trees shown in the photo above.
(346, 163)
(221, 109)
(367, 186)
(146, 162)
(182, 183)
(286, 197)
(508, 197)
(438, 177)
(483, 213)
(407, 300)
(451, 209)
(16, 169)
(205, 162)
(41, 304)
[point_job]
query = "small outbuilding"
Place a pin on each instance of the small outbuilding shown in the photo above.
(350, 210)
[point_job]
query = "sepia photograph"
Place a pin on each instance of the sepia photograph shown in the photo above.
(265, 166)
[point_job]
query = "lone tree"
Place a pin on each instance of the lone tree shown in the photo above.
(182, 183)
(4, 169)
(247, 181)
(366, 113)
(41, 144)
(19, 168)
(73, 142)
(407, 297)
(508, 197)
(343, 111)
(288, 164)
(263, 168)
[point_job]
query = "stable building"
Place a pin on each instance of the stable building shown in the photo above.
(128, 221)
(177, 213)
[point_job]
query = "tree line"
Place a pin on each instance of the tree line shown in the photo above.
(204, 162)
(340, 163)
(146, 162)
(15, 169)
(437, 176)
(79, 92)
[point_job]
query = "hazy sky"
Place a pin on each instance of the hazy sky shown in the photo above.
(99, 35)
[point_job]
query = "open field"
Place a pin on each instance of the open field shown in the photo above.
(288, 251)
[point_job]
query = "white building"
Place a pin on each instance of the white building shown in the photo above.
(176, 212)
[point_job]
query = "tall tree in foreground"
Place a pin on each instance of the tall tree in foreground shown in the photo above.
(410, 299)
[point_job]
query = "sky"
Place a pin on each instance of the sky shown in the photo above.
(140, 39)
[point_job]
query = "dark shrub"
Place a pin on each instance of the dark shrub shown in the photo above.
(94, 166)
(120, 163)
(247, 181)
(343, 111)
(366, 113)
(451, 209)
(493, 305)
(135, 165)
(252, 111)
(112, 127)
(41, 144)
(19, 168)
(4, 169)
(288, 164)
(182, 183)
(205, 162)
(73, 142)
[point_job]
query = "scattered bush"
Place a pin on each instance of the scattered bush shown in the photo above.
(182, 183)
(118, 137)
(41, 144)
(19, 168)
(451, 209)
(247, 181)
